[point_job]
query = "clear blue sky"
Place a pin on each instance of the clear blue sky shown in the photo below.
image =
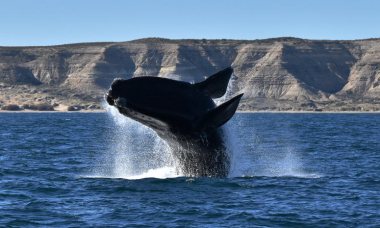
(51, 22)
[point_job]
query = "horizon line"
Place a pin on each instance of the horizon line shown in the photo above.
(189, 39)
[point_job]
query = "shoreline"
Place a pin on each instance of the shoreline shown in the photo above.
(56, 111)
(290, 112)
(305, 112)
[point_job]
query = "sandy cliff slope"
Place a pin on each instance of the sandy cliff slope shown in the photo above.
(275, 74)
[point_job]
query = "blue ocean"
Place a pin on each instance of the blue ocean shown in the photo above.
(104, 170)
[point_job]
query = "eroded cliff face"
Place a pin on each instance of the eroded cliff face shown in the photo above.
(274, 74)
(364, 77)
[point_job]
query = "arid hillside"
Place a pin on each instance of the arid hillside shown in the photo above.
(275, 74)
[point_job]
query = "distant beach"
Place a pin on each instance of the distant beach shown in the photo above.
(104, 111)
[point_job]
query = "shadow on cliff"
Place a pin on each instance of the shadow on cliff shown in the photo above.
(196, 63)
(323, 66)
(18, 76)
(114, 63)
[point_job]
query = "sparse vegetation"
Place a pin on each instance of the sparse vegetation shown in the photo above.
(25, 106)
(40, 107)
(73, 108)
(10, 107)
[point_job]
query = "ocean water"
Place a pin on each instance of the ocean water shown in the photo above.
(101, 170)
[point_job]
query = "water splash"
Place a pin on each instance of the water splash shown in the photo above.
(160, 173)
(231, 141)
(274, 156)
(283, 163)
(135, 151)
(227, 95)
(234, 149)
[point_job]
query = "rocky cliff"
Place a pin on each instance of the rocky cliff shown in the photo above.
(275, 74)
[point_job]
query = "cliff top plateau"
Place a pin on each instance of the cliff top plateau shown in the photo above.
(279, 74)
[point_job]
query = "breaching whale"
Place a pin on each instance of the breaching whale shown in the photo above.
(184, 115)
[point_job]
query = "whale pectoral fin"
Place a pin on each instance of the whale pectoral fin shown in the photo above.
(215, 86)
(219, 115)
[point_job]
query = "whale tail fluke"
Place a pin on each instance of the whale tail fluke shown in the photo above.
(219, 115)
(215, 86)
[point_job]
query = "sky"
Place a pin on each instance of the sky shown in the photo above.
(54, 22)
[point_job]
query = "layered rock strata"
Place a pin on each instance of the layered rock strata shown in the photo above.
(275, 74)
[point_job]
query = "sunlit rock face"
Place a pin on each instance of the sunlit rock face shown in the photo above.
(282, 69)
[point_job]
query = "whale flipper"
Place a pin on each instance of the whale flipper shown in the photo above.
(215, 86)
(218, 116)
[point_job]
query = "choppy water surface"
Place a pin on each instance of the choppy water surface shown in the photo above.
(100, 170)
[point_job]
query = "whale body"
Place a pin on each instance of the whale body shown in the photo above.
(184, 115)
